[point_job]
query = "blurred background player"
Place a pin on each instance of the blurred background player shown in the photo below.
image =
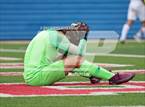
(136, 10)
(42, 68)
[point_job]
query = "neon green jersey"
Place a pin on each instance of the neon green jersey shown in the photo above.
(42, 50)
(40, 55)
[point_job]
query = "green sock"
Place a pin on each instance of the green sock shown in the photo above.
(88, 69)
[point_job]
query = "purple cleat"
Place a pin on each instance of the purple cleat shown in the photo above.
(94, 80)
(120, 78)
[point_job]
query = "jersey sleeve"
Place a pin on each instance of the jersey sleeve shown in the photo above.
(59, 41)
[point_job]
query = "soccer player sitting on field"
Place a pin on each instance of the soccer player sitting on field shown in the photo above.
(43, 67)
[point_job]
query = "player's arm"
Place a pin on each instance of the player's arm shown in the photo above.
(68, 47)
(82, 33)
(78, 50)
(61, 42)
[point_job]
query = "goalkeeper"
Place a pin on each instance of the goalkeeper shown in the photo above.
(43, 67)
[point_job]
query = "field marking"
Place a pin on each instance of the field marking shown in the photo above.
(13, 89)
(137, 71)
(90, 54)
(15, 42)
(140, 71)
(116, 55)
(10, 58)
(12, 50)
(11, 73)
(11, 66)
(21, 65)
(112, 65)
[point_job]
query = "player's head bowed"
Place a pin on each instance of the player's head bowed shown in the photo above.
(77, 26)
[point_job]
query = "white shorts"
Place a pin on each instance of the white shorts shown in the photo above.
(136, 10)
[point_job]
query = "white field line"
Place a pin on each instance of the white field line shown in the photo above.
(11, 73)
(15, 42)
(21, 65)
(27, 41)
(134, 70)
(97, 94)
(10, 58)
(72, 82)
(90, 54)
(12, 50)
(141, 71)
(116, 55)
(11, 66)
(112, 65)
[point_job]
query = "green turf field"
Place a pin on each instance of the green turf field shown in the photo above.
(16, 50)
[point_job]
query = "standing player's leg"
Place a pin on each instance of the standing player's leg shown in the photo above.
(125, 30)
(132, 13)
(140, 33)
(141, 14)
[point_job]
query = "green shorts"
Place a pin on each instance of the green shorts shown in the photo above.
(47, 75)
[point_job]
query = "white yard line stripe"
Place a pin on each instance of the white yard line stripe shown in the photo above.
(141, 71)
(11, 66)
(10, 58)
(116, 55)
(112, 65)
(11, 63)
(11, 73)
(12, 50)
(134, 70)
(20, 65)
(15, 42)
(90, 54)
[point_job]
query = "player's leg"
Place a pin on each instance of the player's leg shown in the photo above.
(78, 65)
(141, 14)
(140, 33)
(125, 30)
(59, 70)
(84, 68)
(88, 69)
(131, 17)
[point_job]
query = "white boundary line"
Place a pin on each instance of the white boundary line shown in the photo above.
(10, 58)
(12, 50)
(116, 55)
(90, 54)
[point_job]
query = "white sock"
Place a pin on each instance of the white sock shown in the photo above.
(140, 32)
(124, 32)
